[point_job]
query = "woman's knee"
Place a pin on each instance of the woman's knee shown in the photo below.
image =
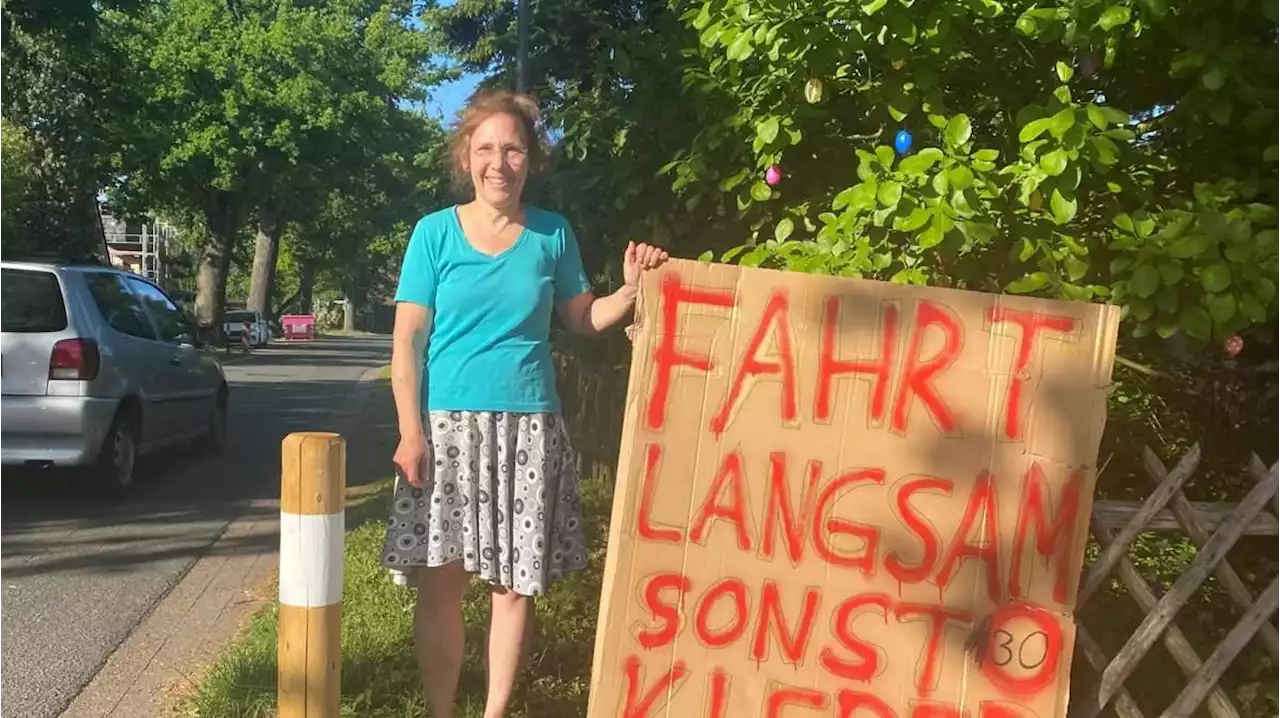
(442, 587)
(504, 597)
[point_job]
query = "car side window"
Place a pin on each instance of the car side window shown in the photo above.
(173, 324)
(119, 306)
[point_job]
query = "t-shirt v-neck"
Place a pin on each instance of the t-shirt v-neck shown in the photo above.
(462, 235)
(489, 348)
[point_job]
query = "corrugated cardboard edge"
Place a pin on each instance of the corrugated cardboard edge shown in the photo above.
(641, 338)
(1107, 334)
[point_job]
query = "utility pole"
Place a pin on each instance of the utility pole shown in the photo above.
(522, 46)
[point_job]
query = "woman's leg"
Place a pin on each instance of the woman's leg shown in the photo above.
(437, 631)
(509, 629)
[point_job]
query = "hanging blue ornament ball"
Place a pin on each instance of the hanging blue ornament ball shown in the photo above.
(902, 142)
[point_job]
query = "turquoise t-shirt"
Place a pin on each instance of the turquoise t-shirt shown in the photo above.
(489, 347)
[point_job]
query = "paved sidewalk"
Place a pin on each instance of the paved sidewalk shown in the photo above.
(161, 660)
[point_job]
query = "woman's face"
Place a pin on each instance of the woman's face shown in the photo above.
(499, 160)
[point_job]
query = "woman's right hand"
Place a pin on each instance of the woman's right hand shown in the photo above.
(412, 457)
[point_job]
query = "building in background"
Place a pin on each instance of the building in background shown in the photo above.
(144, 248)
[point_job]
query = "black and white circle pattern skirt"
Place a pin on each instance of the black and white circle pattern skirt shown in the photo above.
(502, 497)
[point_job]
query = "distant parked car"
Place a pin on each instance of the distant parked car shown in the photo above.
(100, 367)
(259, 329)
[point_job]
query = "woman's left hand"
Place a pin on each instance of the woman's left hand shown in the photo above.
(641, 257)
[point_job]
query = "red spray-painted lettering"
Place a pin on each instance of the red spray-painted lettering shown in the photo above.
(1054, 532)
(1054, 538)
(1044, 673)
(849, 657)
(666, 357)
(779, 508)
(983, 499)
(645, 701)
(776, 317)
(919, 376)
(918, 525)
(638, 706)
(829, 367)
(1031, 325)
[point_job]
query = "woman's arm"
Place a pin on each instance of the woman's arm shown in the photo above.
(588, 314)
(408, 340)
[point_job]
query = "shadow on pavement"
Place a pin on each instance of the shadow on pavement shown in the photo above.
(51, 521)
(80, 573)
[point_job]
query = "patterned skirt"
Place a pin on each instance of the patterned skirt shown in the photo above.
(501, 496)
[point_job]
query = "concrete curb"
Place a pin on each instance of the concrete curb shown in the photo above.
(160, 662)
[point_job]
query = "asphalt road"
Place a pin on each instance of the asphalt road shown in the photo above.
(78, 574)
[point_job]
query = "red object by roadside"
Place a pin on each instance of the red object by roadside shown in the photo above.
(298, 326)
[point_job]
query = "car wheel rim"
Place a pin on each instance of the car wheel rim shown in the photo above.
(122, 455)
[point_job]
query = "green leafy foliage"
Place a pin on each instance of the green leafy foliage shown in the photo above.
(1060, 150)
(14, 174)
(57, 153)
(261, 110)
(610, 78)
(283, 86)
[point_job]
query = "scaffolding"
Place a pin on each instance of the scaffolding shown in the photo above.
(142, 248)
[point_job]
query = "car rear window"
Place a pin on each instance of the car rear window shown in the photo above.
(31, 301)
(118, 305)
(239, 316)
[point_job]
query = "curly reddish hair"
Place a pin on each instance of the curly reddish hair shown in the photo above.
(480, 107)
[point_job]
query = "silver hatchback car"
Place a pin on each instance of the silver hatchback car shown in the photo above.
(100, 367)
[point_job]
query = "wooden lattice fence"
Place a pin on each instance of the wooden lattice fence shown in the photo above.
(1214, 528)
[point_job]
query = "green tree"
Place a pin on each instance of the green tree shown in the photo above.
(607, 75)
(1083, 149)
(62, 80)
(255, 109)
(354, 241)
(353, 71)
(21, 158)
(1077, 149)
(76, 20)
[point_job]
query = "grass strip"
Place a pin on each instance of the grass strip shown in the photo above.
(379, 668)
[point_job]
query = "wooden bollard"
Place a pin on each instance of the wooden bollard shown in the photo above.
(312, 534)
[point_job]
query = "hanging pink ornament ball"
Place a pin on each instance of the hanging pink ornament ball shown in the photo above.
(1233, 346)
(773, 175)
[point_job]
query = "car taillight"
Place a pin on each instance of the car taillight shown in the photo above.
(75, 359)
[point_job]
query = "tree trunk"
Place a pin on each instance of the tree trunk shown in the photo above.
(306, 284)
(211, 282)
(287, 304)
(348, 315)
(221, 220)
(266, 252)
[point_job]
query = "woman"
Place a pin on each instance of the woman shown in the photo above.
(490, 485)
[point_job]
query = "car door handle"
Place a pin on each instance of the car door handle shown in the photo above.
(175, 360)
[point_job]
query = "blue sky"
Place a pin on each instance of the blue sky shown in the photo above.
(449, 97)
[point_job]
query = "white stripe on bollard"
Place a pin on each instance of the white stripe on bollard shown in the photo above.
(311, 559)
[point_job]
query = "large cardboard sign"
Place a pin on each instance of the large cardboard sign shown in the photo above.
(849, 498)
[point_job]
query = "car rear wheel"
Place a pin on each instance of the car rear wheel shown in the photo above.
(214, 440)
(113, 473)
